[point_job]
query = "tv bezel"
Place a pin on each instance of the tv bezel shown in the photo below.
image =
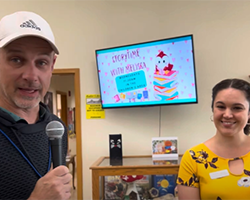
(140, 43)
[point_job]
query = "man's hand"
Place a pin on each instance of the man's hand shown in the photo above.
(55, 185)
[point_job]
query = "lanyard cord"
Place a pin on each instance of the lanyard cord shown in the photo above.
(25, 156)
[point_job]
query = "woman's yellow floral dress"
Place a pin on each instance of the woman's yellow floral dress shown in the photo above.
(203, 169)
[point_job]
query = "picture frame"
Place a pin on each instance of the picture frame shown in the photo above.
(48, 100)
(71, 122)
(165, 148)
(74, 119)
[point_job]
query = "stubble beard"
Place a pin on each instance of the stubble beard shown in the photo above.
(27, 102)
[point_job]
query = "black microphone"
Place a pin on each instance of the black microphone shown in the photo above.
(55, 131)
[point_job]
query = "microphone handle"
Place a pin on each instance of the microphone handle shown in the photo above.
(56, 148)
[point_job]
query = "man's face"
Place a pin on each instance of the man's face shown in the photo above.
(26, 66)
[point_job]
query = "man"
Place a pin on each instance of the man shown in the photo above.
(27, 58)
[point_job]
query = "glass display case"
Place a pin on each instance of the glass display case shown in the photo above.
(132, 165)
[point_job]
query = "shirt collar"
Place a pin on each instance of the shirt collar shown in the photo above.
(42, 112)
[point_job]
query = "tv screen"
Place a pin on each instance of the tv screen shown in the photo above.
(153, 73)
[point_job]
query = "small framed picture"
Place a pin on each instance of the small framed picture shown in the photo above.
(165, 148)
(48, 100)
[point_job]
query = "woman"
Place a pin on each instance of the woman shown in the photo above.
(219, 169)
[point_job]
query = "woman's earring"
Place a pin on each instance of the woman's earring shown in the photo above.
(212, 119)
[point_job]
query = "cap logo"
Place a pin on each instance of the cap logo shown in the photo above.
(30, 24)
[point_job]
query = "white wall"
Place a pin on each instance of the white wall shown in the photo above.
(221, 38)
(63, 83)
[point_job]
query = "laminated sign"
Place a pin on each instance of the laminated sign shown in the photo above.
(94, 107)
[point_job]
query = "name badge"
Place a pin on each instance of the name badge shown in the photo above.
(219, 174)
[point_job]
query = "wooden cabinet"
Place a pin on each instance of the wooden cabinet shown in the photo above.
(132, 165)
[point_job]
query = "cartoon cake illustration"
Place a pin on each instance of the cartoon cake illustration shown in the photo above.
(165, 84)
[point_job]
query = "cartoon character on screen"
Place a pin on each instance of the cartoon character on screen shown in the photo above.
(131, 188)
(162, 65)
(139, 96)
(120, 97)
(116, 97)
(165, 79)
(142, 96)
(145, 94)
(134, 95)
(123, 97)
(131, 96)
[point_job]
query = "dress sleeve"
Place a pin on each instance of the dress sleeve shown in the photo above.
(188, 171)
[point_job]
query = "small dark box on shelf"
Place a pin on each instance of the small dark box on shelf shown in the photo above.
(115, 149)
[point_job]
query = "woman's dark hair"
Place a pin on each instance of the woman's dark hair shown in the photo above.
(237, 84)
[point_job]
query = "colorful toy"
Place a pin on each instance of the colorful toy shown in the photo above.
(131, 181)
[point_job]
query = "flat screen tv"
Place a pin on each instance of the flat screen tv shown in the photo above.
(152, 73)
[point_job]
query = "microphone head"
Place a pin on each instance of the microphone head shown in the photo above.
(54, 130)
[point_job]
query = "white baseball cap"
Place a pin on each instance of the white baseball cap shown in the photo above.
(22, 24)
